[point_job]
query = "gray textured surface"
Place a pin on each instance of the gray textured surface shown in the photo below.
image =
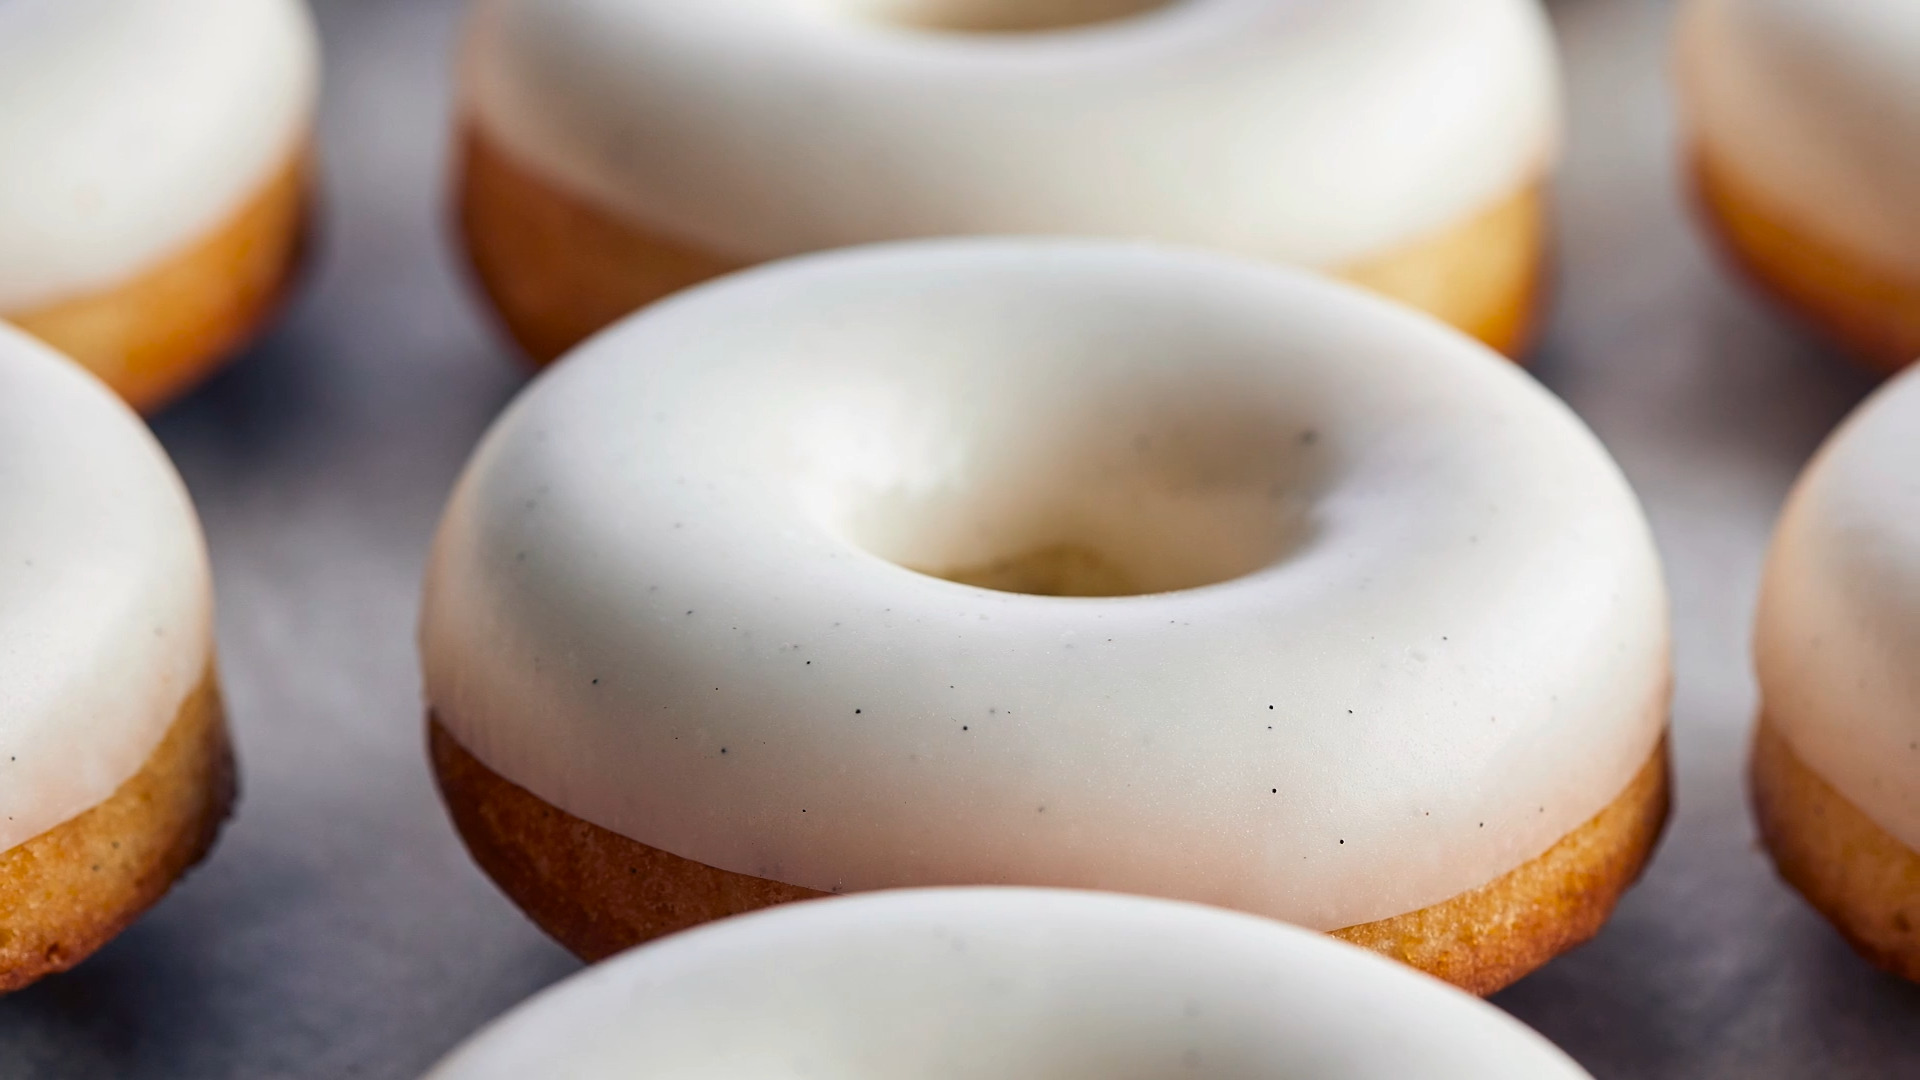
(339, 931)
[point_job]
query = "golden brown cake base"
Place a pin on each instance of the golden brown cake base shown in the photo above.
(1484, 275)
(1863, 880)
(556, 267)
(598, 892)
(154, 337)
(1873, 312)
(1486, 938)
(68, 891)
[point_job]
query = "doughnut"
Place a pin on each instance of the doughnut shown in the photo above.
(1805, 121)
(115, 771)
(614, 151)
(1068, 563)
(154, 201)
(1836, 760)
(963, 984)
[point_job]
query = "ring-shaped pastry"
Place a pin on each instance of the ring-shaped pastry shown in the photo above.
(115, 770)
(616, 150)
(156, 187)
(972, 984)
(1836, 761)
(1805, 135)
(1060, 563)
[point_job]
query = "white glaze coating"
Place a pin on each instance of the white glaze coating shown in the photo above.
(1315, 131)
(646, 603)
(1816, 105)
(972, 984)
(1838, 645)
(131, 128)
(106, 604)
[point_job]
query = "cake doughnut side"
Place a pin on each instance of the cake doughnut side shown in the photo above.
(73, 888)
(1804, 124)
(598, 893)
(1053, 563)
(610, 155)
(556, 267)
(1833, 767)
(115, 767)
(965, 984)
(156, 211)
(1850, 869)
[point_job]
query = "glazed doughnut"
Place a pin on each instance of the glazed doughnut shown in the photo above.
(114, 766)
(1805, 117)
(965, 984)
(155, 193)
(1051, 563)
(616, 150)
(1836, 765)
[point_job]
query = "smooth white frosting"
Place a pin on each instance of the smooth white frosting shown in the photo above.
(984, 984)
(130, 128)
(1838, 644)
(106, 602)
(1816, 105)
(1316, 131)
(649, 603)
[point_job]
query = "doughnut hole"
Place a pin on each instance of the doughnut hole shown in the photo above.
(1083, 495)
(997, 16)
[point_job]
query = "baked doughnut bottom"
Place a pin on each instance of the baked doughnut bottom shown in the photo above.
(597, 892)
(1871, 311)
(556, 267)
(156, 335)
(70, 890)
(1863, 880)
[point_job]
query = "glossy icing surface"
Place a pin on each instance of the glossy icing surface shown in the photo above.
(1839, 627)
(1402, 625)
(106, 605)
(132, 127)
(1315, 131)
(1816, 103)
(970, 984)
